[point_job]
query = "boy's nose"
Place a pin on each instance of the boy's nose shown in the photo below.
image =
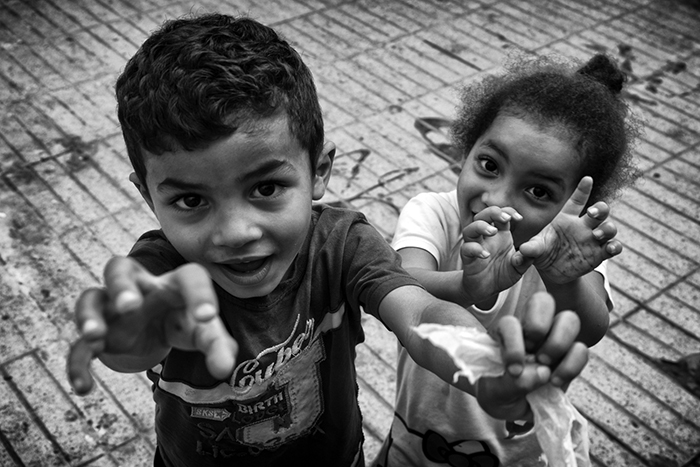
(236, 229)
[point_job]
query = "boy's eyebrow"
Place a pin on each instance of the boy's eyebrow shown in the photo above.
(169, 183)
(264, 169)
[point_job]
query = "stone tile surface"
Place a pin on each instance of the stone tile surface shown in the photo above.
(384, 71)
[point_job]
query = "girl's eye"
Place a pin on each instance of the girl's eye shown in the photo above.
(488, 164)
(540, 193)
(189, 202)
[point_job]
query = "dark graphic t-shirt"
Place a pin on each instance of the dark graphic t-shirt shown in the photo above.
(292, 398)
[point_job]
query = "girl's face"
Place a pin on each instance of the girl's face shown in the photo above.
(517, 163)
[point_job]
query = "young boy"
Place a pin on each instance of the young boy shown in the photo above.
(245, 307)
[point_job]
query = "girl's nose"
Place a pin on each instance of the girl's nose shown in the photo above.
(236, 228)
(496, 195)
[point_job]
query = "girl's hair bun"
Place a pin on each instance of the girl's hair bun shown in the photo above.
(604, 70)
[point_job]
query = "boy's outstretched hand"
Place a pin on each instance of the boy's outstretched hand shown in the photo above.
(133, 322)
(540, 349)
(571, 246)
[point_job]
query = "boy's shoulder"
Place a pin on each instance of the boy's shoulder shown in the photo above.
(343, 229)
(327, 217)
(156, 253)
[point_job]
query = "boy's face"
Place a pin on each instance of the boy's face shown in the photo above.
(240, 207)
(522, 165)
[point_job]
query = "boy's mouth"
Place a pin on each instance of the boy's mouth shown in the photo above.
(246, 267)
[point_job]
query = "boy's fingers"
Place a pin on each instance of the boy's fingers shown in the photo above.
(197, 290)
(510, 336)
(532, 377)
(124, 279)
(565, 330)
(91, 312)
(80, 355)
(220, 349)
(571, 365)
(579, 198)
(537, 319)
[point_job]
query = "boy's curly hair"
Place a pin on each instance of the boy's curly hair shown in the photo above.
(197, 79)
(584, 103)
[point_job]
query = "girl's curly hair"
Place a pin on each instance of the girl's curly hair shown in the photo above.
(583, 102)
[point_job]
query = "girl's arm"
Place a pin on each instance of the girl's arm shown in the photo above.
(587, 296)
(446, 285)
(487, 262)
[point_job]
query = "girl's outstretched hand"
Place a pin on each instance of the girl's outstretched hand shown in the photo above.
(133, 322)
(487, 253)
(571, 246)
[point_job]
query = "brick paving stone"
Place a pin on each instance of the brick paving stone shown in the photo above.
(66, 204)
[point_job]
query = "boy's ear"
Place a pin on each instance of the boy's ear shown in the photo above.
(133, 178)
(324, 164)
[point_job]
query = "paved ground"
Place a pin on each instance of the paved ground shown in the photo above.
(386, 74)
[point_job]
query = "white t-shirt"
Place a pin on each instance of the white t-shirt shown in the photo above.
(434, 423)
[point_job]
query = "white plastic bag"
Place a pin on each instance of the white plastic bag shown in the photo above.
(560, 429)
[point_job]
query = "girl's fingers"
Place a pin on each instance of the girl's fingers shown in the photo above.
(473, 250)
(579, 198)
(613, 248)
(605, 231)
(477, 229)
(596, 214)
(520, 262)
(499, 217)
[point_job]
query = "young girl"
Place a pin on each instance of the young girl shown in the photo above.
(543, 144)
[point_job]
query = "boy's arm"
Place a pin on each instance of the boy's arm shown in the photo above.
(503, 397)
(134, 322)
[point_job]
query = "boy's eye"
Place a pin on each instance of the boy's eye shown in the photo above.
(266, 189)
(189, 202)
